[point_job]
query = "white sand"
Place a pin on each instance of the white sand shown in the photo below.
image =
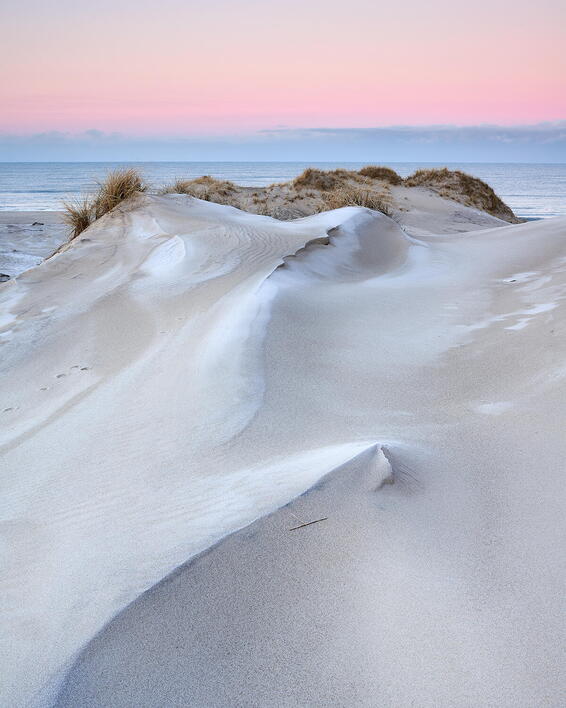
(166, 384)
(363, 609)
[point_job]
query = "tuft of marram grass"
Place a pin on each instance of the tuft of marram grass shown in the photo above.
(385, 174)
(118, 186)
(78, 215)
(357, 196)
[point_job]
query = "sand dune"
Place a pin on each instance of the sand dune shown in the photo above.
(184, 368)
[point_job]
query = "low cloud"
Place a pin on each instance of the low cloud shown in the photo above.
(542, 142)
(540, 133)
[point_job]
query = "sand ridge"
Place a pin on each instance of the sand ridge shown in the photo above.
(184, 368)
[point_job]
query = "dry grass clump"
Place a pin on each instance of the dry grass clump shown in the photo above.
(313, 178)
(221, 186)
(207, 188)
(358, 196)
(118, 186)
(78, 215)
(385, 174)
(343, 175)
(316, 179)
(179, 186)
(459, 186)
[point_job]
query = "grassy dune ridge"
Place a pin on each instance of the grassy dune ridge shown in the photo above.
(312, 191)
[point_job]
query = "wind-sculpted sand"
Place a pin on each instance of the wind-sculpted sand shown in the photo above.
(183, 368)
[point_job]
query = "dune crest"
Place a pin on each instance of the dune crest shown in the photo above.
(182, 367)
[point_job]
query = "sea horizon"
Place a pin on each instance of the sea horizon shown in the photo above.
(533, 190)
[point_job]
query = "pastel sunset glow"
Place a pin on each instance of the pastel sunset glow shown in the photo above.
(282, 335)
(188, 68)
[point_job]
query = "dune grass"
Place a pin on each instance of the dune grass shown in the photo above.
(118, 186)
(206, 187)
(331, 189)
(385, 174)
(314, 190)
(357, 196)
(323, 180)
(179, 186)
(462, 187)
(78, 215)
(316, 179)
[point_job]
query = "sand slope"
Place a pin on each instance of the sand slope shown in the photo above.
(357, 610)
(165, 383)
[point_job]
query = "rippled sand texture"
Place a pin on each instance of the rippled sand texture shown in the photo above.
(184, 368)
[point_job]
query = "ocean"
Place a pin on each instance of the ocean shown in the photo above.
(533, 191)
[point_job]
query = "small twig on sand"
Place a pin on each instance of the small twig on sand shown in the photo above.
(308, 523)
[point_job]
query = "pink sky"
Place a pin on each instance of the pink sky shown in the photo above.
(185, 67)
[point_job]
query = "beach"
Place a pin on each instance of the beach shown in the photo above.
(27, 238)
(179, 376)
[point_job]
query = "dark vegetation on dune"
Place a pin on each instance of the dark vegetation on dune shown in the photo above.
(118, 186)
(358, 196)
(385, 174)
(317, 190)
(206, 187)
(457, 185)
(324, 180)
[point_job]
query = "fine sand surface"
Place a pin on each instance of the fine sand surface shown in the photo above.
(331, 614)
(165, 383)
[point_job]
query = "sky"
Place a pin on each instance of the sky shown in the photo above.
(257, 76)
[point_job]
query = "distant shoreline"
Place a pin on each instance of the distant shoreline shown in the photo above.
(28, 216)
(530, 189)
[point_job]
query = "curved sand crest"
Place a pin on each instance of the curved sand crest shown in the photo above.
(256, 620)
(169, 437)
(131, 362)
(444, 588)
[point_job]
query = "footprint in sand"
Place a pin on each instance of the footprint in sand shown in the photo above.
(84, 368)
(60, 376)
(7, 410)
